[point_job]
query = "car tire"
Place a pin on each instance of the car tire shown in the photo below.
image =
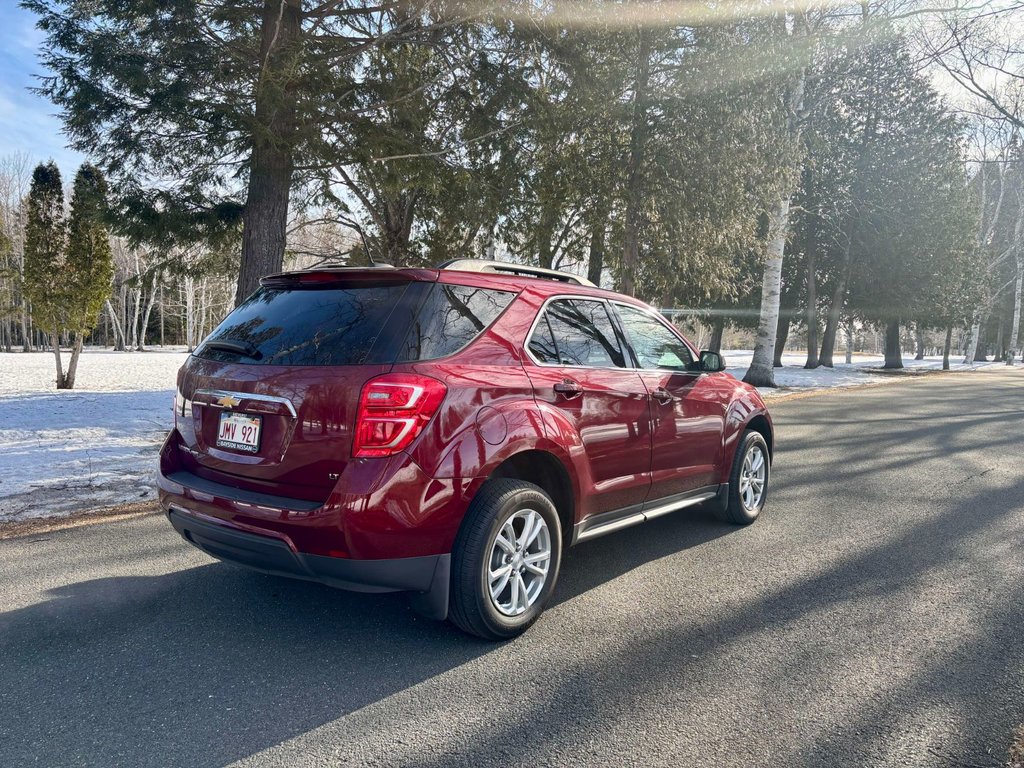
(746, 498)
(481, 603)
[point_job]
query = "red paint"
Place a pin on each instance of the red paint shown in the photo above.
(617, 444)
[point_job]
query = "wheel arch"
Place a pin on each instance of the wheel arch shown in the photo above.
(744, 414)
(763, 426)
(547, 471)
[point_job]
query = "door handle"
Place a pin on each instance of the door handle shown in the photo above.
(663, 396)
(568, 389)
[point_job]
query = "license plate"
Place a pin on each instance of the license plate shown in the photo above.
(239, 431)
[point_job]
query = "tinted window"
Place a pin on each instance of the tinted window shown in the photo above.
(654, 344)
(451, 317)
(305, 326)
(542, 344)
(577, 332)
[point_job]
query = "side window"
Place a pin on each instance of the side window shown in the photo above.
(577, 332)
(542, 344)
(451, 317)
(654, 344)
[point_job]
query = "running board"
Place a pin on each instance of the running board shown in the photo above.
(648, 514)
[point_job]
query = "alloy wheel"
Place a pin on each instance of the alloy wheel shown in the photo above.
(519, 561)
(753, 475)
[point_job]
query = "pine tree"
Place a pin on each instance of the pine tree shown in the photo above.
(45, 235)
(89, 266)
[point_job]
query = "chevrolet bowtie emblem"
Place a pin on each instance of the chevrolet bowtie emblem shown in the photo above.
(228, 401)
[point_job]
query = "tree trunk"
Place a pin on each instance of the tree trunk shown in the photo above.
(76, 352)
(849, 342)
(946, 348)
(55, 343)
(1015, 326)
(919, 338)
(781, 336)
(634, 169)
(835, 308)
(893, 352)
(162, 310)
(972, 339)
(190, 320)
(545, 235)
(145, 317)
(398, 219)
(271, 161)
(119, 342)
(717, 331)
(595, 262)
(999, 341)
(812, 311)
(811, 269)
(26, 335)
(760, 373)
(977, 351)
(136, 305)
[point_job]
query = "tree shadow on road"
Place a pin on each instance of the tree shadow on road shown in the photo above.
(207, 665)
(212, 664)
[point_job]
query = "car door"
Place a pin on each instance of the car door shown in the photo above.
(686, 407)
(579, 367)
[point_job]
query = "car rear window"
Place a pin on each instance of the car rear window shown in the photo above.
(305, 326)
(353, 325)
(450, 318)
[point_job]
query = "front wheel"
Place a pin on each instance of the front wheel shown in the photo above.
(748, 480)
(505, 560)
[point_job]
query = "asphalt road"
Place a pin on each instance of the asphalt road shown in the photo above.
(873, 616)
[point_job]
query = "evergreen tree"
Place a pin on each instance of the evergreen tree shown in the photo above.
(238, 102)
(88, 265)
(45, 236)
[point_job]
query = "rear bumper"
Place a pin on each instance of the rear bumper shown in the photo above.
(379, 509)
(428, 576)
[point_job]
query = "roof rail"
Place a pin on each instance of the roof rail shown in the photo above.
(334, 265)
(508, 268)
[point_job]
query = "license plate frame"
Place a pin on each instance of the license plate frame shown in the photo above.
(241, 424)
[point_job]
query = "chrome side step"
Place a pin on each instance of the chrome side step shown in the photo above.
(675, 506)
(640, 517)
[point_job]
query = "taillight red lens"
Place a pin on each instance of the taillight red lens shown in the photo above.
(393, 410)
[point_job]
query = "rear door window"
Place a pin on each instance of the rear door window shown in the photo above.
(305, 326)
(450, 318)
(577, 332)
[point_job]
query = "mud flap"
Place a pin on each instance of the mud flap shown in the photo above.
(433, 604)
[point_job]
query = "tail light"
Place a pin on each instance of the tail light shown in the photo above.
(393, 410)
(179, 406)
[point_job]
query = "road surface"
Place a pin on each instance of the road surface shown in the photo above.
(873, 616)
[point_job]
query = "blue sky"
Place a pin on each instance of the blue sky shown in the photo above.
(28, 122)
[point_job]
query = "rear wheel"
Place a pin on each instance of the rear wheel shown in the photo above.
(505, 560)
(748, 480)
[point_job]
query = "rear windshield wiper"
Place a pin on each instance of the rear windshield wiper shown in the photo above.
(244, 348)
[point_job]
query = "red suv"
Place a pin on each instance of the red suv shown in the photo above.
(449, 432)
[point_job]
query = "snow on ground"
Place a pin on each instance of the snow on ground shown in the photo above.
(96, 446)
(864, 370)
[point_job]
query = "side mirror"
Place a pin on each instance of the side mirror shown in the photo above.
(711, 362)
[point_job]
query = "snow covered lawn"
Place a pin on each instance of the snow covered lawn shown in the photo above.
(864, 370)
(96, 446)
